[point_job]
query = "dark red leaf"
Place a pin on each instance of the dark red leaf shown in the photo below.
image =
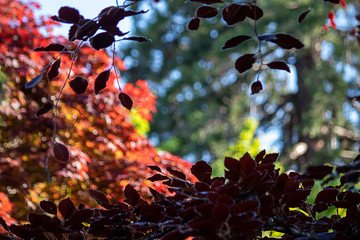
(125, 100)
(327, 195)
(234, 13)
(256, 87)
(66, 208)
(100, 81)
(207, 1)
(84, 29)
(110, 16)
(318, 172)
(248, 205)
(232, 163)
(270, 158)
(287, 41)
(61, 153)
(24, 231)
(194, 24)
(44, 109)
(99, 197)
(154, 168)
(54, 70)
(206, 12)
(333, 1)
(295, 199)
(138, 39)
(260, 156)
(80, 216)
(254, 12)
(102, 40)
(157, 196)
(303, 16)
(245, 62)
(319, 207)
(202, 187)
(3, 224)
(200, 168)
(55, 47)
(36, 219)
(133, 13)
(131, 195)
(281, 65)
(79, 85)
(176, 173)
(220, 212)
(235, 41)
(157, 177)
(247, 164)
(35, 80)
(48, 207)
(69, 15)
(151, 213)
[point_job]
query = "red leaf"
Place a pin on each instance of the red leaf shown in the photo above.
(247, 205)
(100, 81)
(303, 16)
(79, 85)
(66, 208)
(270, 158)
(131, 195)
(220, 212)
(48, 207)
(287, 41)
(154, 168)
(102, 40)
(25, 232)
(200, 168)
(44, 109)
(61, 153)
(36, 219)
(234, 13)
(254, 12)
(110, 16)
(157, 177)
(194, 24)
(138, 39)
(231, 163)
(281, 65)
(83, 30)
(245, 62)
(247, 164)
(202, 187)
(54, 70)
(331, 17)
(69, 15)
(256, 87)
(235, 41)
(176, 173)
(206, 12)
(157, 196)
(80, 216)
(55, 47)
(100, 198)
(125, 100)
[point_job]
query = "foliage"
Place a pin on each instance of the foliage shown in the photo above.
(202, 100)
(106, 152)
(251, 197)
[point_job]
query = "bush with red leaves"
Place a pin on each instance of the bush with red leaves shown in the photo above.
(252, 197)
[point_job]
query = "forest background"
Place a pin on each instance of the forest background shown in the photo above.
(204, 110)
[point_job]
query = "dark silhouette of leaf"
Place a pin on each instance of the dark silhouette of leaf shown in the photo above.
(232, 163)
(52, 47)
(138, 39)
(48, 207)
(125, 100)
(206, 12)
(85, 29)
(207, 1)
(281, 65)
(254, 12)
(80, 216)
(327, 195)
(157, 177)
(79, 85)
(235, 41)
(99, 197)
(54, 70)
(61, 153)
(287, 41)
(234, 13)
(247, 164)
(36, 219)
(245, 62)
(176, 173)
(303, 16)
(256, 87)
(133, 13)
(131, 195)
(157, 196)
(100, 81)
(267, 37)
(3, 224)
(66, 208)
(35, 80)
(102, 40)
(220, 212)
(110, 16)
(154, 168)
(25, 232)
(333, 1)
(194, 24)
(44, 109)
(69, 15)
(200, 168)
